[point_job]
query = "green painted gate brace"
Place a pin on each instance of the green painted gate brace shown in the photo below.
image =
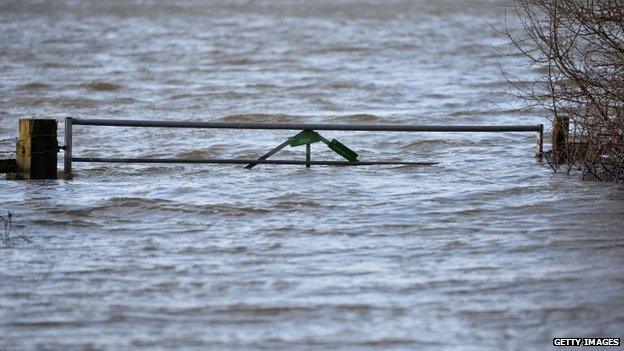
(307, 137)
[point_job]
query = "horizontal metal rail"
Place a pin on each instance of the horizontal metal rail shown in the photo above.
(305, 126)
(248, 161)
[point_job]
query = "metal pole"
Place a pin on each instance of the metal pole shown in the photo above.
(539, 146)
(67, 162)
(248, 161)
(308, 156)
(269, 154)
(306, 126)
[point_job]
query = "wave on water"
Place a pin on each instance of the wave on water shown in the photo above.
(135, 205)
(34, 86)
(416, 144)
(260, 118)
(102, 86)
(214, 150)
(62, 223)
(360, 117)
(76, 103)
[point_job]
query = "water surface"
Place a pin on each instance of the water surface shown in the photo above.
(489, 250)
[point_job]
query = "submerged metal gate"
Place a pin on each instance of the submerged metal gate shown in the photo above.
(307, 136)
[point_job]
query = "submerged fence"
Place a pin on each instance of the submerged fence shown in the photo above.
(307, 136)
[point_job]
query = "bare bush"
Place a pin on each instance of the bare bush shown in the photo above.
(579, 45)
(7, 238)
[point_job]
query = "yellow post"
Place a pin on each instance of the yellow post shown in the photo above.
(36, 149)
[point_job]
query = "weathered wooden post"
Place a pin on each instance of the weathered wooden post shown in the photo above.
(8, 166)
(560, 135)
(67, 160)
(36, 149)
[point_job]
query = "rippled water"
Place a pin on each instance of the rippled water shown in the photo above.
(489, 250)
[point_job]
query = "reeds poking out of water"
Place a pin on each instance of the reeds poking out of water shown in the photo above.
(7, 238)
(579, 47)
(8, 225)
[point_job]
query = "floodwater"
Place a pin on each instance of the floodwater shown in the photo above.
(488, 250)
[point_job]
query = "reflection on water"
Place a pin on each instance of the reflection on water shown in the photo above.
(487, 250)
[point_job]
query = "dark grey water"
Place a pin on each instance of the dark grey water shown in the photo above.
(489, 250)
